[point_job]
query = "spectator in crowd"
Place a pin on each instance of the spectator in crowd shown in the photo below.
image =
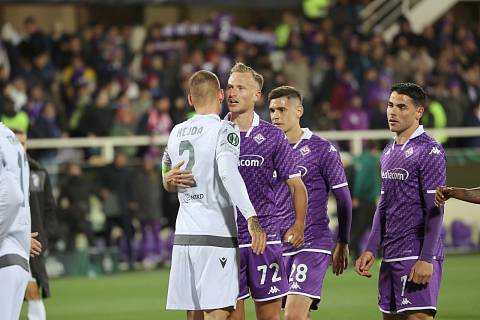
(74, 207)
(146, 204)
(365, 192)
(115, 192)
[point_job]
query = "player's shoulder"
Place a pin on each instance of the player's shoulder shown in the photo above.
(269, 130)
(322, 144)
(429, 145)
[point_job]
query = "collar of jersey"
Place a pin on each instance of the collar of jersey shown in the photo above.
(307, 134)
(210, 115)
(255, 122)
(415, 134)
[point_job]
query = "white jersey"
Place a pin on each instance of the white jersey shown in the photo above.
(206, 208)
(16, 239)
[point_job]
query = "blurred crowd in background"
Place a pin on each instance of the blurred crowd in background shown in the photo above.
(122, 80)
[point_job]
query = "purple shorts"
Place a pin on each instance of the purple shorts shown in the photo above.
(264, 274)
(396, 294)
(306, 271)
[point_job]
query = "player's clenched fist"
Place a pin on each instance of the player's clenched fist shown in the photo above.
(259, 237)
(442, 195)
(364, 263)
(294, 235)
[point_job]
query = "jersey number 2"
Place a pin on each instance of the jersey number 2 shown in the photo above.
(186, 145)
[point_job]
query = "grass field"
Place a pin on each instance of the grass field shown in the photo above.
(142, 295)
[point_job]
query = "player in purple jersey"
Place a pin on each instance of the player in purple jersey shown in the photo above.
(264, 150)
(322, 171)
(407, 223)
(445, 193)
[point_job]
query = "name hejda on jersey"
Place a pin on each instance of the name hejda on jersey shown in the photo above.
(189, 131)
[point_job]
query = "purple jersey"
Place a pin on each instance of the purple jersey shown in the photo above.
(263, 150)
(409, 171)
(322, 170)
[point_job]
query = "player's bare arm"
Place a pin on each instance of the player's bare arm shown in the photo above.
(445, 193)
(340, 258)
(364, 263)
(294, 234)
(35, 245)
(259, 237)
(177, 178)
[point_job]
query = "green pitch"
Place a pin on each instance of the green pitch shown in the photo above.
(142, 295)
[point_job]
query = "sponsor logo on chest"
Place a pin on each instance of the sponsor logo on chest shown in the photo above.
(251, 160)
(395, 174)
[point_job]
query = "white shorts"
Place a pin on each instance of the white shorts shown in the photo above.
(13, 280)
(203, 278)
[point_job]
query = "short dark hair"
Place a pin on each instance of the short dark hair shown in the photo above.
(243, 68)
(412, 90)
(285, 91)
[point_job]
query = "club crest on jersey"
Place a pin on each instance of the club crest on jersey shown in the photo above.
(409, 152)
(305, 150)
(435, 150)
(259, 138)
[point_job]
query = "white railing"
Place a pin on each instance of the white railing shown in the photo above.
(107, 144)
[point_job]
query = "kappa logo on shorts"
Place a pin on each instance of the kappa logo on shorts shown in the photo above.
(405, 302)
(273, 290)
(295, 286)
(223, 262)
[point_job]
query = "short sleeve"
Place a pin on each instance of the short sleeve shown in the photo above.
(284, 159)
(332, 168)
(228, 140)
(433, 171)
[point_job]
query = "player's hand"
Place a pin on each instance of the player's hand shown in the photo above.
(259, 237)
(442, 195)
(35, 245)
(364, 263)
(179, 178)
(340, 258)
(294, 235)
(421, 272)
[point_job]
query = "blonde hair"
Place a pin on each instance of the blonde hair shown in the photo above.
(243, 68)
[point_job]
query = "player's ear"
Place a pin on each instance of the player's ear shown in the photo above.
(419, 113)
(221, 95)
(299, 111)
(190, 100)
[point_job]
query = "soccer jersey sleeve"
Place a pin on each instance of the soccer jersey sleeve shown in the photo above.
(333, 171)
(11, 198)
(284, 159)
(433, 170)
(227, 153)
(432, 175)
(228, 140)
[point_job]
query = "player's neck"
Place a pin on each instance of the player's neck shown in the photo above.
(294, 135)
(402, 137)
(243, 120)
(205, 110)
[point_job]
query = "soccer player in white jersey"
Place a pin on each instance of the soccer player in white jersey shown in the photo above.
(205, 149)
(15, 237)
